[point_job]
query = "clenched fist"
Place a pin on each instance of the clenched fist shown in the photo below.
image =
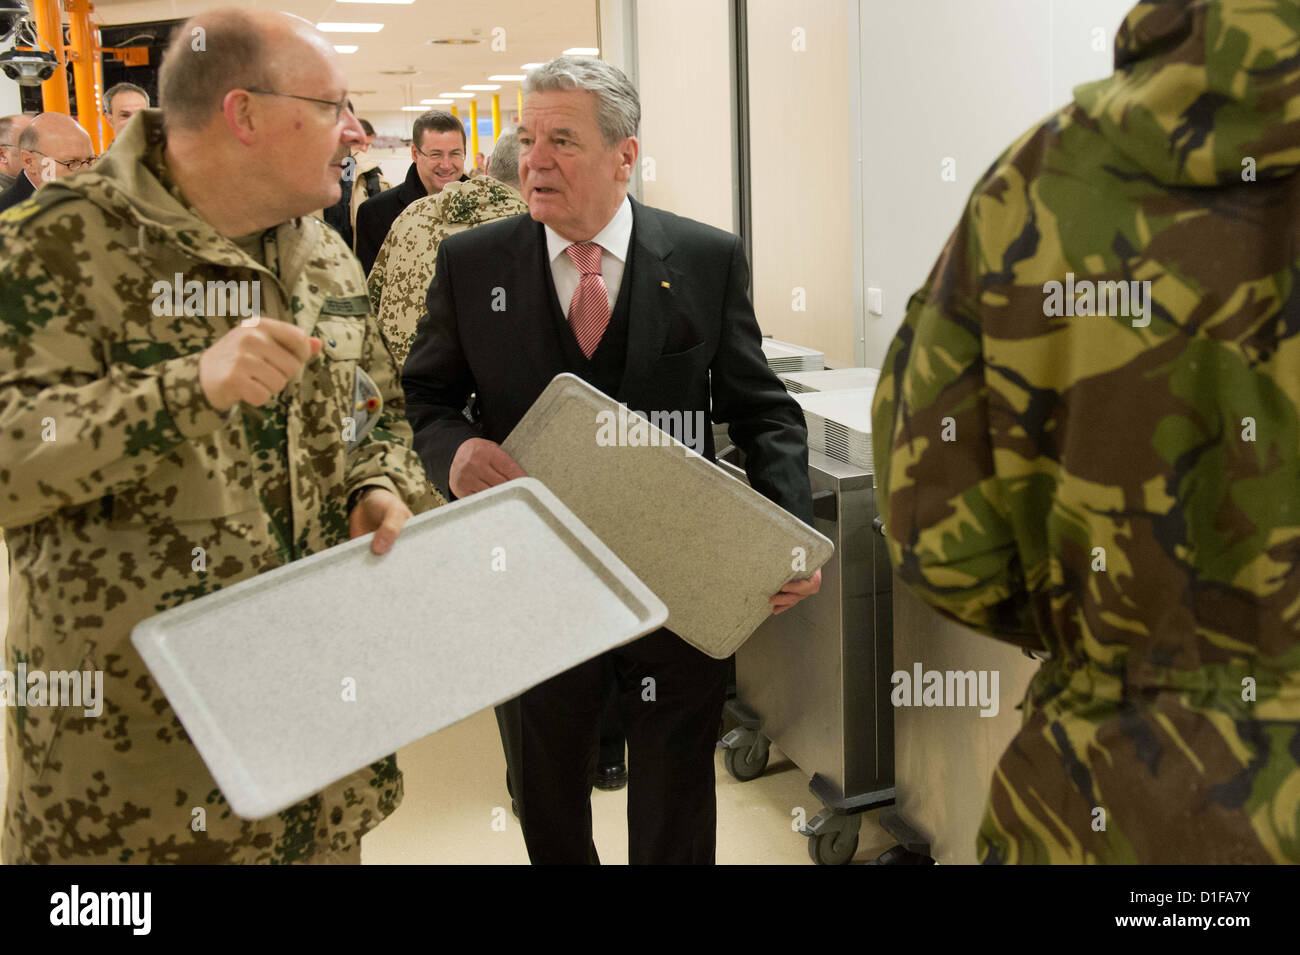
(480, 464)
(253, 363)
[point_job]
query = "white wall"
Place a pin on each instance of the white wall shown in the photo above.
(801, 163)
(960, 79)
(684, 74)
(10, 102)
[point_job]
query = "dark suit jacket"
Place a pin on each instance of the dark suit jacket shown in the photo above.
(690, 319)
(376, 216)
(22, 188)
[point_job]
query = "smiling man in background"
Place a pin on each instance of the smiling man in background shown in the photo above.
(438, 158)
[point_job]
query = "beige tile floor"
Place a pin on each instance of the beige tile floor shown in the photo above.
(456, 803)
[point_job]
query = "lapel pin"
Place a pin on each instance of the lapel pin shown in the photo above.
(665, 285)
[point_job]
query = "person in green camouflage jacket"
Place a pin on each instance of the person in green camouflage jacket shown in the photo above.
(403, 269)
(162, 440)
(1088, 443)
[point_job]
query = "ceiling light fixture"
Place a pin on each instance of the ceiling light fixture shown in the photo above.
(456, 95)
(531, 66)
(582, 51)
(486, 87)
(345, 48)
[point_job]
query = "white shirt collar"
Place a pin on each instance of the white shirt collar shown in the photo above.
(614, 238)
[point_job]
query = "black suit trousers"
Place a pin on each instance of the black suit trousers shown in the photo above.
(670, 701)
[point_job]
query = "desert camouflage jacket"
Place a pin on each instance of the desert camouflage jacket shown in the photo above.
(124, 493)
(1088, 442)
(403, 269)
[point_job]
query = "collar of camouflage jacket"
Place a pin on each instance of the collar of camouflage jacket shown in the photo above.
(480, 199)
(1205, 92)
(126, 181)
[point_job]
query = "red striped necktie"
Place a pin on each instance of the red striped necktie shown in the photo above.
(589, 307)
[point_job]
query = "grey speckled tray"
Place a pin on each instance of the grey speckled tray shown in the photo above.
(431, 632)
(712, 548)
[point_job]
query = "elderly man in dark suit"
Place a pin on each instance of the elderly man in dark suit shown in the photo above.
(654, 310)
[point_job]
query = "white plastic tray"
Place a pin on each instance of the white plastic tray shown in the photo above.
(839, 424)
(712, 548)
(476, 602)
(830, 379)
(785, 357)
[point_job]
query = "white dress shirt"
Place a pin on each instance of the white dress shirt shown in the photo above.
(613, 241)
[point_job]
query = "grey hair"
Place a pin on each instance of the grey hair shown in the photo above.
(117, 88)
(503, 164)
(618, 108)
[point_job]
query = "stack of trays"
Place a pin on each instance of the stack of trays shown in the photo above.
(783, 357)
(832, 379)
(839, 424)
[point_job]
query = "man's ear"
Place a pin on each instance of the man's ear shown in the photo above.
(240, 114)
(628, 150)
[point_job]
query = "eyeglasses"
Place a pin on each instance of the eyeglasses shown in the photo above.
(72, 164)
(436, 155)
(338, 107)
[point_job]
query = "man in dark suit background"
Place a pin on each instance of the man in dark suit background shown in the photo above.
(643, 305)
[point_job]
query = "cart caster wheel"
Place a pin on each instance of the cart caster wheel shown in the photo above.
(741, 768)
(832, 848)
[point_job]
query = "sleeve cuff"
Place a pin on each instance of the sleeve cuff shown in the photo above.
(354, 495)
(184, 399)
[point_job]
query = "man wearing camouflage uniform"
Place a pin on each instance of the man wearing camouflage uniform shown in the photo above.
(161, 440)
(403, 268)
(1120, 485)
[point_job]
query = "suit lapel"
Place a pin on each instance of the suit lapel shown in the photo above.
(653, 298)
(530, 314)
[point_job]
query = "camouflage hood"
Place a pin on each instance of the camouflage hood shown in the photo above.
(1204, 91)
(123, 182)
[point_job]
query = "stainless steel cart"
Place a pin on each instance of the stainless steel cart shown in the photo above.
(815, 679)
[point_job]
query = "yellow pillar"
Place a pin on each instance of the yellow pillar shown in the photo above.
(519, 94)
(455, 111)
(97, 52)
(496, 118)
(473, 129)
(83, 70)
(49, 26)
